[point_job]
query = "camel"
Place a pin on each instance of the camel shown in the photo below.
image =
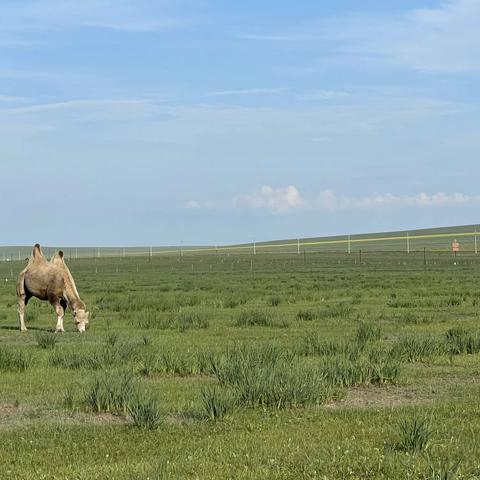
(51, 281)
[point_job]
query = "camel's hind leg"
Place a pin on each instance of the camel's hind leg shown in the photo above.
(22, 301)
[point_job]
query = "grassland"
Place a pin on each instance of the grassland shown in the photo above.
(315, 366)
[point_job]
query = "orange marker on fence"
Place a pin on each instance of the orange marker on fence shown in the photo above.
(455, 247)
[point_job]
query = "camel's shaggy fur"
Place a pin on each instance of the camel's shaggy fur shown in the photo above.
(52, 281)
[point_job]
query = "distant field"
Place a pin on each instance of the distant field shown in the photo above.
(322, 365)
(435, 239)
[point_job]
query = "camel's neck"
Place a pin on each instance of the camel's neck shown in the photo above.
(71, 293)
(75, 302)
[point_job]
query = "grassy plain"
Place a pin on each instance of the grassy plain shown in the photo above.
(316, 366)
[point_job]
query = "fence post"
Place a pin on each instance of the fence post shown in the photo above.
(349, 247)
(254, 248)
(408, 243)
(298, 246)
(476, 250)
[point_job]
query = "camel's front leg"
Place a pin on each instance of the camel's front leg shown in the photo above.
(21, 312)
(60, 314)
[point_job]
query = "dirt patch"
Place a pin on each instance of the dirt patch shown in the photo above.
(16, 414)
(381, 396)
(9, 411)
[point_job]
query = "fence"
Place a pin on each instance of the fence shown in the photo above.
(434, 240)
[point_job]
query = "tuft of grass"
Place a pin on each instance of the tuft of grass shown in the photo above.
(111, 392)
(446, 470)
(339, 310)
(234, 301)
(250, 318)
(190, 320)
(316, 344)
(306, 315)
(31, 315)
(270, 377)
(68, 399)
(46, 340)
(415, 435)
(94, 357)
(341, 371)
(458, 341)
(274, 301)
(416, 348)
(147, 365)
(216, 404)
(144, 412)
(14, 359)
(367, 332)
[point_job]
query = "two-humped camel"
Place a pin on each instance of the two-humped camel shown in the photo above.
(52, 281)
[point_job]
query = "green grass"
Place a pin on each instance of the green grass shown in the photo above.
(188, 375)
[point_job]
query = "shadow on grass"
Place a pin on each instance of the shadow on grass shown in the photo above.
(15, 327)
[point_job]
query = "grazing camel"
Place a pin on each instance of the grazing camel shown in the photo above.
(50, 281)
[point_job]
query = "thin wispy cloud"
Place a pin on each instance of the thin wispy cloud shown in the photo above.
(122, 15)
(247, 92)
(86, 109)
(279, 38)
(323, 95)
(444, 39)
(9, 99)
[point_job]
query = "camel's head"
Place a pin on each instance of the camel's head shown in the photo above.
(81, 319)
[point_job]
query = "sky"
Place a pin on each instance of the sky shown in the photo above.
(167, 122)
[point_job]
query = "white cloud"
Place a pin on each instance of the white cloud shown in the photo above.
(329, 201)
(278, 200)
(288, 199)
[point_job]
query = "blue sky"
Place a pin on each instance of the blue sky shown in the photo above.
(201, 121)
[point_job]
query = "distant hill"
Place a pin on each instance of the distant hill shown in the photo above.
(436, 239)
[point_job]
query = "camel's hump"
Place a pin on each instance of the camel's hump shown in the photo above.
(60, 254)
(37, 251)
